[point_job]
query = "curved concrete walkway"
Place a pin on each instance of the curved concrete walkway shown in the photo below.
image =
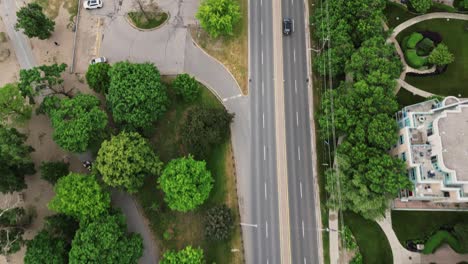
(413, 89)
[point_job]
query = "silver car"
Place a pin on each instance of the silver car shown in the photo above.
(98, 60)
(92, 4)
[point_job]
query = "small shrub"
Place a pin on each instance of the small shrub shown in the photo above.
(53, 170)
(186, 87)
(424, 47)
(357, 259)
(414, 60)
(218, 223)
(350, 242)
(413, 40)
(439, 238)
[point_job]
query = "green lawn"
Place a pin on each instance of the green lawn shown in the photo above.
(394, 11)
(151, 20)
(410, 225)
(405, 98)
(187, 228)
(370, 238)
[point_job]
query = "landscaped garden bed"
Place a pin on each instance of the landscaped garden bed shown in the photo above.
(148, 20)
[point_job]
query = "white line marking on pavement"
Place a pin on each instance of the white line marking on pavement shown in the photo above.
(302, 228)
(266, 230)
(261, 2)
(299, 152)
(232, 97)
(292, 2)
(263, 88)
(295, 86)
(251, 225)
(264, 152)
(262, 57)
(266, 196)
(297, 119)
(294, 53)
(300, 187)
(261, 28)
(263, 120)
(267, 261)
(305, 261)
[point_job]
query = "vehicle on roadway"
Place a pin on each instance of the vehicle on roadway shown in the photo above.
(98, 60)
(288, 26)
(92, 4)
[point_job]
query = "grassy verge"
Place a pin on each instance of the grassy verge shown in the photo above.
(230, 51)
(52, 7)
(398, 13)
(372, 242)
(413, 225)
(176, 230)
(453, 80)
(405, 98)
(148, 21)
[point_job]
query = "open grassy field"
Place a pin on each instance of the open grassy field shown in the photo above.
(453, 81)
(176, 230)
(370, 238)
(230, 51)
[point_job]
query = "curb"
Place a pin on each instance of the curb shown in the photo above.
(129, 21)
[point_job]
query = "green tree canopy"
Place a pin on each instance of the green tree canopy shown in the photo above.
(420, 6)
(187, 255)
(33, 22)
(441, 56)
(45, 248)
(219, 17)
(186, 87)
(53, 170)
(204, 128)
(106, 241)
(13, 107)
(41, 78)
(125, 160)
(80, 196)
(77, 122)
(98, 77)
(15, 160)
(136, 95)
(219, 223)
(186, 183)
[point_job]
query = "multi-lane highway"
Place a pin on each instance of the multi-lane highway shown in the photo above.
(303, 222)
(262, 234)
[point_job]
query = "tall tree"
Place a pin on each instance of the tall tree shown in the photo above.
(45, 248)
(13, 107)
(34, 22)
(15, 160)
(186, 87)
(105, 241)
(125, 161)
(136, 95)
(420, 6)
(80, 196)
(187, 255)
(441, 56)
(98, 77)
(219, 17)
(186, 183)
(77, 122)
(204, 128)
(53, 170)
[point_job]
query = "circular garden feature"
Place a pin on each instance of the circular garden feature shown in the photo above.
(418, 46)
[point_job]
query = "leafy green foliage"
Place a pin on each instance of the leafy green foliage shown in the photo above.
(420, 6)
(42, 77)
(45, 248)
(15, 160)
(186, 183)
(203, 128)
(98, 77)
(413, 40)
(350, 242)
(414, 60)
(219, 17)
(105, 241)
(136, 95)
(424, 47)
(441, 56)
(61, 226)
(187, 255)
(77, 122)
(186, 87)
(357, 259)
(80, 196)
(439, 238)
(33, 21)
(53, 170)
(125, 160)
(13, 107)
(10, 240)
(12, 217)
(219, 223)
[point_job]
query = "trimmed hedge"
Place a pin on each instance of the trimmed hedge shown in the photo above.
(414, 60)
(424, 47)
(413, 40)
(439, 238)
(404, 43)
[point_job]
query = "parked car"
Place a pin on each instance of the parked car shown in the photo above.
(288, 26)
(92, 4)
(98, 60)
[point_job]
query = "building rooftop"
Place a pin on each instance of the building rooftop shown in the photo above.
(453, 130)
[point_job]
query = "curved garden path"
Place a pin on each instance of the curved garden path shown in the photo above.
(392, 39)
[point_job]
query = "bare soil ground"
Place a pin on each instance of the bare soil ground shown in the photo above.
(8, 62)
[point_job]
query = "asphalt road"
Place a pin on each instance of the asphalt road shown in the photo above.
(264, 246)
(303, 224)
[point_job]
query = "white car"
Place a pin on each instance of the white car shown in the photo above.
(92, 4)
(98, 60)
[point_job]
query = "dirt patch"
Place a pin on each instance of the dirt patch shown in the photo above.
(52, 7)
(8, 62)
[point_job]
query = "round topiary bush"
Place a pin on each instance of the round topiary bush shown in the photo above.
(414, 60)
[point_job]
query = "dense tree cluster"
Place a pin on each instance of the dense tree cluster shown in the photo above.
(34, 22)
(98, 77)
(363, 108)
(187, 255)
(54, 170)
(219, 17)
(420, 6)
(43, 77)
(13, 107)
